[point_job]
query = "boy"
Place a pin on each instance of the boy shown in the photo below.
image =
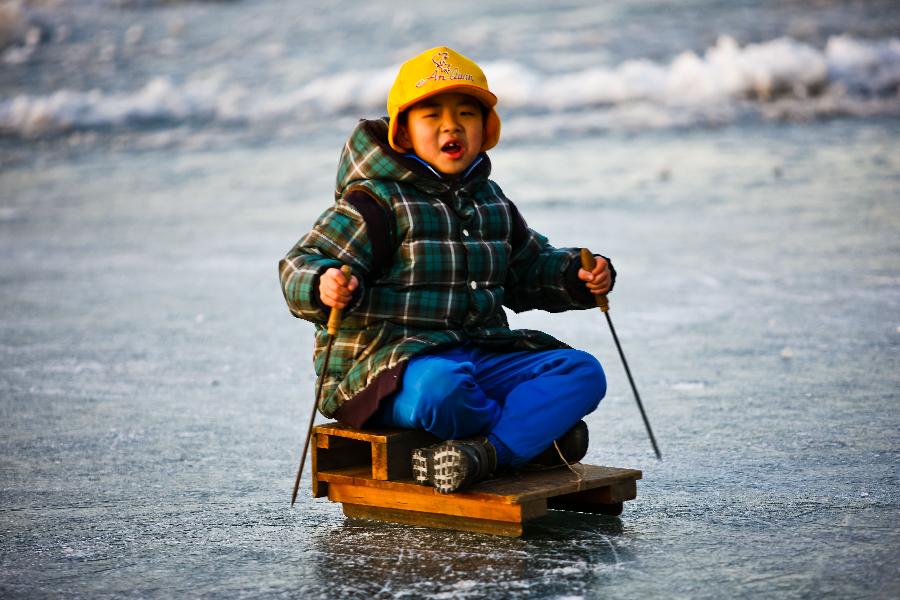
(435, 249)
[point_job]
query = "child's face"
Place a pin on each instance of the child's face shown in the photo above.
(445, 130)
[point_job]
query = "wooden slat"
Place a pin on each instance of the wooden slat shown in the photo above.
(319, 488)
(380, 462)
(409, 517)
(379, 436)
(523, 486)
(338, 430)
(348, 474)
(514, 489)
(361, 476)
(445, 504)
(620, 492)
(627, 490)
(606, 500)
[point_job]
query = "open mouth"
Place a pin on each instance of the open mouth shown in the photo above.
(453, 149)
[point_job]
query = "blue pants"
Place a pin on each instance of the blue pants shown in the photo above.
(523, 400)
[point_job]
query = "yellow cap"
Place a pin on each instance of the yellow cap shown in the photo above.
(436, 71)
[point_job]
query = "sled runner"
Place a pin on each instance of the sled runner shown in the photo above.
(370, 473)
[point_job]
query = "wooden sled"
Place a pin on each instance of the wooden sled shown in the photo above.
(370, 473)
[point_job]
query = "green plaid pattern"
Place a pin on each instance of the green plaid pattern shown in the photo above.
(452, 269)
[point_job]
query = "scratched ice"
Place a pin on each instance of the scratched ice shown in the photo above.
(153, 387)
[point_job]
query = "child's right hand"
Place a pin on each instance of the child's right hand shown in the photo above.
(334, 289)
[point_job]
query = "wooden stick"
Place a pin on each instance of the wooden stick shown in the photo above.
(334, 324)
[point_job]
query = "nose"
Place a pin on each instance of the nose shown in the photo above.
(449, 122)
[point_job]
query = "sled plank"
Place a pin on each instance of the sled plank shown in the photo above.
(514, 489)
(459, 505)
(525, 486)
(409, 517)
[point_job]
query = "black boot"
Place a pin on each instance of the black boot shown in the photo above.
(573, 444)
(455, 464)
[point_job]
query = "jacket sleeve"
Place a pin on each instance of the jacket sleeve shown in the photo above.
(338, 237)
(542, 276)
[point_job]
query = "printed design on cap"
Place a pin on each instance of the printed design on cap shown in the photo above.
(444, 71)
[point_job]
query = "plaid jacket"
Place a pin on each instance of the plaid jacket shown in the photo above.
(436, 261)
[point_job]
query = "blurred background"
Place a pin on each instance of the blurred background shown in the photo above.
(155, 73)
(739, 161)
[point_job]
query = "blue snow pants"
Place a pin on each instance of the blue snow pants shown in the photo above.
(521, 401)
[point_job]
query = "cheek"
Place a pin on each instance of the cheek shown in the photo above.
(419, 136)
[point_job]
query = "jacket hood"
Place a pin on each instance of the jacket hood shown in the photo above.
(367, 156)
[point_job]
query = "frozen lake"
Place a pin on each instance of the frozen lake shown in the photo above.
(154, 389)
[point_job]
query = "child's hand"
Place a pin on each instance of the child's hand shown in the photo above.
(598, 280)
(334, 290)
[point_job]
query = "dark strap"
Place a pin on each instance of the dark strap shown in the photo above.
(519, 233)
(378, 227)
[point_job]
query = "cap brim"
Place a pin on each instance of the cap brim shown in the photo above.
(484, 96)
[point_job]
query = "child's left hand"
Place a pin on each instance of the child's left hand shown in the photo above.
(599, 279)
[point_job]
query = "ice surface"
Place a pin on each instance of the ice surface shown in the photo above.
(154, 389)
(153, 386)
